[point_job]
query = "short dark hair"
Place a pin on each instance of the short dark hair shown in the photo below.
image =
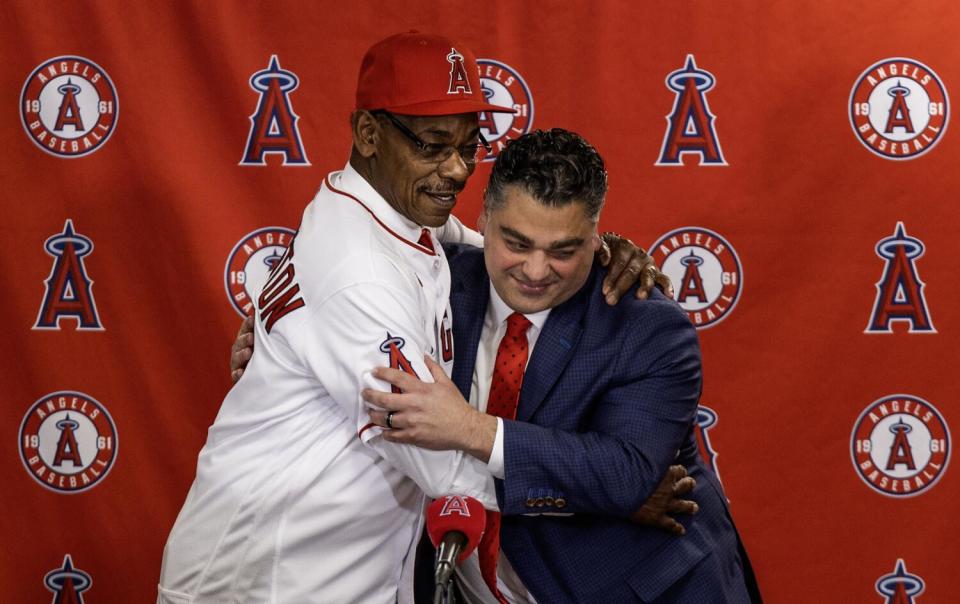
(556, 167)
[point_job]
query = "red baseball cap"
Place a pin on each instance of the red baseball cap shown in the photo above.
(421, 74)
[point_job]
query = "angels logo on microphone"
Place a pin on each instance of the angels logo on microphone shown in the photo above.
(67, 583)
(68, 441)
(706, 419)
(900, 445)
(502, 85)
(900, 291)
(68, 291)
(900, 586)
(250, 262)
(454, 504)
(690, 123)
(273, 126)
(69, 107)
(899, 108)
(705, 270)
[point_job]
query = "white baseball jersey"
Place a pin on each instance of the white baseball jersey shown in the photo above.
(296, 497)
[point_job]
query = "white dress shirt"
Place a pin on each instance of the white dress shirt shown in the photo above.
(472, 585)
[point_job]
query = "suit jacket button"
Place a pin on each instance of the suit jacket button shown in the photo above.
(539, 502)
(548, 500)
(531, 502)
(561, 502)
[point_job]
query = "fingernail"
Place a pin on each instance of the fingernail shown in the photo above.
(611, 299)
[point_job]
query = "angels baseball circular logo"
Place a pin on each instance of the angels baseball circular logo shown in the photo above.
(900, 445)
(899, 108)
(502, 85)
(69, 106)
(68, 441)
(250, 263)
(705, 271)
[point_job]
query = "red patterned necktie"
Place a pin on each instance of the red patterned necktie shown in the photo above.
(504, 397)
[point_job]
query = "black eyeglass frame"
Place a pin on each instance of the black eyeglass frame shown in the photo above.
(423, 146)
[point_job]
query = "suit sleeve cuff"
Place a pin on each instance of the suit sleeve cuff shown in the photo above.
(495, 463)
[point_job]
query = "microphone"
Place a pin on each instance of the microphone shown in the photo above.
(455, 525)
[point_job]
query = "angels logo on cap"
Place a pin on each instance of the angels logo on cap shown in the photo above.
(69, 106)
(459, 82)
(421, 74)
(899, 108)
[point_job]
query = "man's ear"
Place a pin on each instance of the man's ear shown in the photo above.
(482, 221)
(366, 132)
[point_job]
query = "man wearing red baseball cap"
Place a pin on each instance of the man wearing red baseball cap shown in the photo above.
(296, 497)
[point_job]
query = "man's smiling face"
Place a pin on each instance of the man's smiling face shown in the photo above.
(537, 255)
(423, 191)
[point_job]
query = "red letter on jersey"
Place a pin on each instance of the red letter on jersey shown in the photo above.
(273, 304)
(391, 346)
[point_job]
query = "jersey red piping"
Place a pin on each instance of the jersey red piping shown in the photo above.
(415, 246)
(364, 429)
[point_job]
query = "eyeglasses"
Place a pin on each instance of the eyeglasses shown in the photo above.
(438, 152)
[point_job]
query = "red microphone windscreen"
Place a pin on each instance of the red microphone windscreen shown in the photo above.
(457, 513)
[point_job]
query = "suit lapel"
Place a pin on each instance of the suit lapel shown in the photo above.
(553, 351)
(469, 295)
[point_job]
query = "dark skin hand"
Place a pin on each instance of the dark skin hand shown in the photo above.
(667, 500)
(242, 349)
(629, 264)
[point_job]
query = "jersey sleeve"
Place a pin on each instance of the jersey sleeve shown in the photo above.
(454, 231)
(371, 324)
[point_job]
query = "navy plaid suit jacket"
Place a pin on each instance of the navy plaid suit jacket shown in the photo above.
(608, 402)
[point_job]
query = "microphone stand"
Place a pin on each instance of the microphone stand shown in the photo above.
(447, 555)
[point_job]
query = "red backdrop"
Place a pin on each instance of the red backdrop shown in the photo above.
(771, 166)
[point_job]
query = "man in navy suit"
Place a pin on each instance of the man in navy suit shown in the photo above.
(608, 400)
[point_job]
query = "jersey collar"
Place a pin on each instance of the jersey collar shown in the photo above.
(349, 184)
